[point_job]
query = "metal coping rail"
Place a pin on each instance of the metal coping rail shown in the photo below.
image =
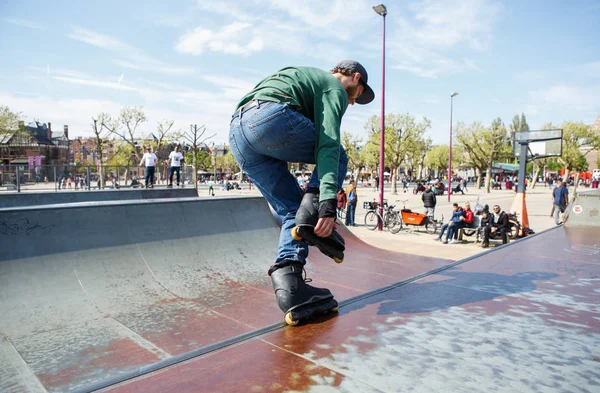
(96, 386)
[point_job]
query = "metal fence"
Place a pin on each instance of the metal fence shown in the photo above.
(67, 177)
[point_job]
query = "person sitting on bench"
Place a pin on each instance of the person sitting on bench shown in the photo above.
(499, 226)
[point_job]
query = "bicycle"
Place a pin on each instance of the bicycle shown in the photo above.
(391, 219)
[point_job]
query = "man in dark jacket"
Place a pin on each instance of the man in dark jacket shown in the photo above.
(429, 201)
(499, 226)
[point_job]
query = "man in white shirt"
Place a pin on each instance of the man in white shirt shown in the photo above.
(151, 160)
(175, 159)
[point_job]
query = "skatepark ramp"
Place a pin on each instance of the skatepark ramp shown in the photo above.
(49, 198)
(584, 210)
(94, 291)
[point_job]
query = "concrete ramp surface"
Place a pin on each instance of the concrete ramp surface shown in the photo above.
(92, 291)
(49, 198)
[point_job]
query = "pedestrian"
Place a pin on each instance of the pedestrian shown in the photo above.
(429, 201)
(174, 161)
(341, 202)
(560, 200)
(150, 160)
(211, 190)
(295, 115)
(351, 204)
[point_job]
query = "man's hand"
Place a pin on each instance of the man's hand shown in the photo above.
(327, 213)
(494, 229)
(325, 226)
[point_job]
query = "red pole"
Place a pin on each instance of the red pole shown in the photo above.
(450, 157)
(382, 136)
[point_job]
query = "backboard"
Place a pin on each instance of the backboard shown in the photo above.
(541, 143)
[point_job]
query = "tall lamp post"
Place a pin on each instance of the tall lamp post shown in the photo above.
(450, 157)
(381, 10)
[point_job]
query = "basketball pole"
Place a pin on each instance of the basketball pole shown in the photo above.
(519, 205)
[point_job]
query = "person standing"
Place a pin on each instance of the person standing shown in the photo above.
(560, 200)
(175, 160)
(351, 205)
(341, 202)
(150, 160)
(429, 201)
(294, 115)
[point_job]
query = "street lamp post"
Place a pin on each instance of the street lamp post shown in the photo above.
(381, 10)
(450, 156)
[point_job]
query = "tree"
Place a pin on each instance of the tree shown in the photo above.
(9, 120)
(126, 125)
(403, 136)
(195, 137)
(101, 130)
(352, 146)
(483, 146)
(575, 136)
(436, 158)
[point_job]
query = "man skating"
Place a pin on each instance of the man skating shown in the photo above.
(175, 158)
(150, 160)
(294, 115)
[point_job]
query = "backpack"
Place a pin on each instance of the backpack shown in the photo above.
(352, 197)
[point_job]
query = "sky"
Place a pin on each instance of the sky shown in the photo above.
(191, 61)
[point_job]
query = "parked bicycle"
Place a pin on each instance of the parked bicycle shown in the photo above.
(391, 219)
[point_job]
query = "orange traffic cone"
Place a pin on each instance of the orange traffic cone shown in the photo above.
(520, 208)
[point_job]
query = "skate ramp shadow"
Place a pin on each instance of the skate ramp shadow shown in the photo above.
(455, 288)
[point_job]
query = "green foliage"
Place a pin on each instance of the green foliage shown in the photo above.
(403, 136)
(204, 161)
(437, 158)
(483, 146)
(352, 146)
(576, 135)
(9, 120)
(124, 154)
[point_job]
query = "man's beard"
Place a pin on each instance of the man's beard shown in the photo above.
(352, 91)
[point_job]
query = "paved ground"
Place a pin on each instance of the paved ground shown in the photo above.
(420, 243)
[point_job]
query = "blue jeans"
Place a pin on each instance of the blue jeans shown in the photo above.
(172, 170)
(149, 175)
(263, 139)
(350, 214)
(453, 229)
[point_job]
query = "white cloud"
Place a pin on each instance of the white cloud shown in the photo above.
(24, 23)
(96, 39)
(570, 98)
(425, 43)
(432, 100)
(235, 38)
(136, 58)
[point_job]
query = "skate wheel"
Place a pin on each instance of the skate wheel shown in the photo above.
(289, 320)
(335, 309)
(295, 235)
(338, 260)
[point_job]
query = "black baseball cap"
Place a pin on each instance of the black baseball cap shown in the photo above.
(368, 95)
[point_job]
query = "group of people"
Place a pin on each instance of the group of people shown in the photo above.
(491, 224)
(347, 200)
(151, 160)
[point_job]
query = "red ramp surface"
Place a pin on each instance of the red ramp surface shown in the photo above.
(522, 318)
(94, 292)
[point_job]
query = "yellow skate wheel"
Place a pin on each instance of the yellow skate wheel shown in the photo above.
(295, 234)
(338, 260)
(289, 320)
(335, 309)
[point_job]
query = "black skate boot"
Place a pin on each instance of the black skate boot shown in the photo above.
(306, 220)
(298, 300)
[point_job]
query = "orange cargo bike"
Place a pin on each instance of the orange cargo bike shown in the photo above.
(413, 219)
